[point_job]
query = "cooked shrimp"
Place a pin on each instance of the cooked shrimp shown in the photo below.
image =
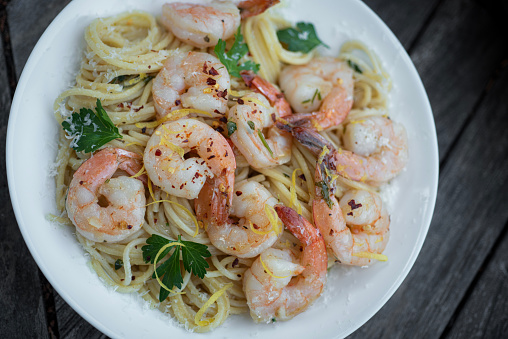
(203, 25)
(208, 177)
(248, 231)
(369, 220)
(272, 93)
(382, 156)
(320, 91)
(364, 211)
(271, 291)
(104, 208)
(254, 118)
(191, 80)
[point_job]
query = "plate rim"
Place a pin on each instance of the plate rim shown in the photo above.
(90, 318)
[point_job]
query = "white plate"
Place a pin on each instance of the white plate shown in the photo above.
(352, 295)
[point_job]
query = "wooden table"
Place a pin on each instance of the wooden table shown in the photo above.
(458, 286)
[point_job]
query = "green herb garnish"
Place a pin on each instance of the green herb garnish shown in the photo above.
(231, 126)
(231, 59)
(303, 38)
(118, 264)
(251, 125)
(325, 192)
(170, 273)
(354, 66)
(263, 140)
(90, 130)
(316, 93)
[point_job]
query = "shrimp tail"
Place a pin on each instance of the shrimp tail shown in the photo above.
(272, 93)
(250, 8)
(298, 225)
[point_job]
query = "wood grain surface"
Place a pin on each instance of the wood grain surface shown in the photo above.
(458, 286)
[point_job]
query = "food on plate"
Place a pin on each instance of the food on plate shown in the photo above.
(213, 162)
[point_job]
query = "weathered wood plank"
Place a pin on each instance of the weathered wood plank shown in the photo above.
(405, 18)
(21, 300)
(41, 13)
(27, 21)
(471, 211)
(455, 58)
(485, 314)
(72, 325)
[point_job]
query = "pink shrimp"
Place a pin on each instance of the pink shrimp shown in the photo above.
(202, 25)
(104, 208)
(360, 245)
(381, 145)
(320, 91)
(271, 290)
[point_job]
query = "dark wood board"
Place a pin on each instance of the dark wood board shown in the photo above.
(456, 56)
(37, 15)
(467, 221)
(22, 314)
(485, 314)
(397, 15)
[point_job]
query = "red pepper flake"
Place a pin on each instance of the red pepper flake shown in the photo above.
(120, 105)
(177, 102)
(213, 71)
(353, 204)
(217, 111)
(158, 152)
(222, 94)
(210, 81)
(129, 227)
(133, 277)
(205, 68)
(138, 109)
(235, 262)
(143, 130)
(81, 182)
(331, 232)
(274, 118)
(182, 185)
(301, 176)
(211, 157)
(155, 220)
(255, 226)
(240, 101)
(149, 67)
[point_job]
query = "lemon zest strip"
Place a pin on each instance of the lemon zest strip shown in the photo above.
(207, 304)
(150, 189)
(367, 255)
(269, 272)
(140, 173)
(274, 219)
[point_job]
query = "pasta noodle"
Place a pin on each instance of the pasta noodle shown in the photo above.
(123, 54)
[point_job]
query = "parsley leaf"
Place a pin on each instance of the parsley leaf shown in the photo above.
(118, 264)
(232, 58)
(354, 66)
(251, 125)
(231, 127)
(193, 257)
(303, 38)
(90, 130)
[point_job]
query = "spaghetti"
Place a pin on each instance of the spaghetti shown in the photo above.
(123, 55)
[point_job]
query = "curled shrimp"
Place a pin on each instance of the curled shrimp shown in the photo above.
(104, 208)
(363, 211)
(191, 80)
(320, 91)
(209, 177)
(257, 137)
(203, 25)
(249, 230)
(277, 286)
(381, 143)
